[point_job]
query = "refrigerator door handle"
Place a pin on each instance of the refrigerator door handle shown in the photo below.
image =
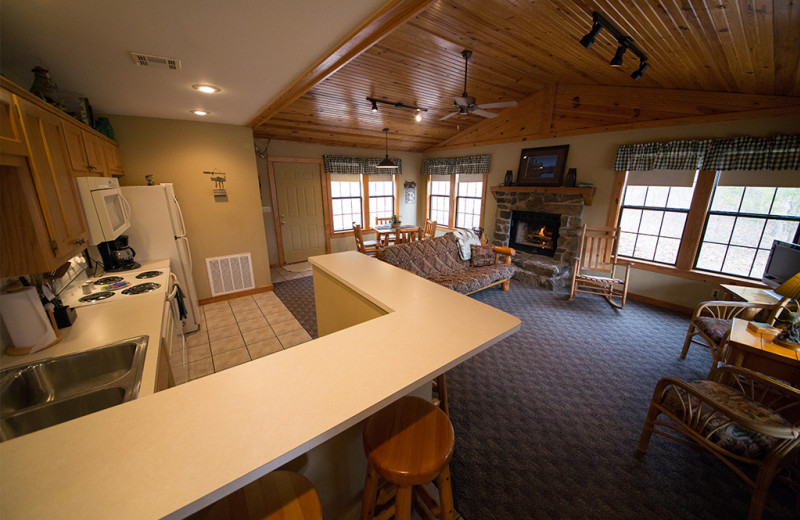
(180, 216)
(188, 255)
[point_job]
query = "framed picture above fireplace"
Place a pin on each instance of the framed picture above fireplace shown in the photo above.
(542, 166)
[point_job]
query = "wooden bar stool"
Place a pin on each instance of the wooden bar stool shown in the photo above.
(280, 495)
(409, 443)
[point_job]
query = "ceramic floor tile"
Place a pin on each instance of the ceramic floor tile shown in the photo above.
(218, 323)
(219, 313)
(279, 317)
(231, 359)
(200, 368)
(254, 336)
(196, 338)
(255, 323)
(276, 276)
(264, 348)
(273, 308)
(286, 326)
(198, 352)
(223, 332)
(215, 306)
(225, 344)
(248, 315)
(293, 338)
(266, 296)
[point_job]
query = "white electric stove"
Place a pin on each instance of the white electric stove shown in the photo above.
(110, 287)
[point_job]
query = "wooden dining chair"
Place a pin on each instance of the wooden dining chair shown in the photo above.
(429, 231)
(407, 235)
(383, 221)
(367, 247)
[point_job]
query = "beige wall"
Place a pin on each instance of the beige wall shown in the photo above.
(179, 152)
(412, 166)
(593, 156)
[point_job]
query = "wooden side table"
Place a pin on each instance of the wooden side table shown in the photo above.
(758, 352)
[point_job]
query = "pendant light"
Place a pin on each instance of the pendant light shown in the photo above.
(386, 162)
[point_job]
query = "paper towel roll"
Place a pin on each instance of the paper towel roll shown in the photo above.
(26, 320)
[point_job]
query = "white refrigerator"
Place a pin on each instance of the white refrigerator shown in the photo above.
(158, 231)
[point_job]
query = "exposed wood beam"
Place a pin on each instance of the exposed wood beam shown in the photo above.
(392, 16)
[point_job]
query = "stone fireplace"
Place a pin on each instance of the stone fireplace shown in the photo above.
(544, 226)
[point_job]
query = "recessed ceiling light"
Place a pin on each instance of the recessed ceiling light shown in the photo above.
(200, 112)
(208, 89)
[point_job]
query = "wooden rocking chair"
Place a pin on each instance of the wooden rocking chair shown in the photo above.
(595, 270)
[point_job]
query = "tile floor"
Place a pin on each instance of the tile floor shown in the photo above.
(235, 331)
(279, 274)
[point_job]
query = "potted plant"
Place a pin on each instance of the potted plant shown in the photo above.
(395, 221)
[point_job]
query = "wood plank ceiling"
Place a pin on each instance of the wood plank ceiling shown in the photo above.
(708, 59)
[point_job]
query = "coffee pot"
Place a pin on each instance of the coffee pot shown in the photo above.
(117, 255)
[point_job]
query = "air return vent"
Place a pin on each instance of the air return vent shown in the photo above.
(158, 62)
(228, 274)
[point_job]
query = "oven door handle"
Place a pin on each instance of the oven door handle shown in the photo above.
(174, 287)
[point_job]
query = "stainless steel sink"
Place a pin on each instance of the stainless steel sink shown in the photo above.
(56, 390)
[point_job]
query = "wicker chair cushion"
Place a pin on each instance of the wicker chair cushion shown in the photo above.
(732, 437)
(475, 278)
(426, 258)
(481, 255)
(714, 328)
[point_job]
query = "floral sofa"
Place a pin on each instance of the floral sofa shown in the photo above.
(438, 260)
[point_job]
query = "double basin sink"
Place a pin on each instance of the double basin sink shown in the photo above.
(55, 390)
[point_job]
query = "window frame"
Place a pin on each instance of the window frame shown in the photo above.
(451, 224)
(364, 202)
(692, 233)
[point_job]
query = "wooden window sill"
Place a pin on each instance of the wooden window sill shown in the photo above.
(692, 274)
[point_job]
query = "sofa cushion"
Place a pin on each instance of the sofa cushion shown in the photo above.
(426, 258)
(481, 255)
(475, 278)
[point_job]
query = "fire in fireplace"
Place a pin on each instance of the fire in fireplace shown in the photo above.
(534, 232)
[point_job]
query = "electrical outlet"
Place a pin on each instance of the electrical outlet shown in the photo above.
(715, 294)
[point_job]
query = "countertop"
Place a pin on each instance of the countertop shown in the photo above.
(173, 452)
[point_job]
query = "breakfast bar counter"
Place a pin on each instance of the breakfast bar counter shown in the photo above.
(173, 452)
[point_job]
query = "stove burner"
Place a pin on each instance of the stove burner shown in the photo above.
(148, 274)
(96, 297)
(108, 280)
(142, 288)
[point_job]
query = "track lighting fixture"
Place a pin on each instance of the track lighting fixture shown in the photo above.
(625, 43)
(375, 102)
(386, 162)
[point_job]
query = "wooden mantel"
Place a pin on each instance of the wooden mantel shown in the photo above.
(587, 193)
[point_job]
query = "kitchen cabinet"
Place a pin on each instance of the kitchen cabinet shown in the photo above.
(43, 224)
(11, 138)
(85, 151)
(112, 159)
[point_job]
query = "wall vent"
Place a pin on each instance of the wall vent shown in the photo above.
(228, 274)
(159, 62)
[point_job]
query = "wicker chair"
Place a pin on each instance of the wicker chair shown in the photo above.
(367, 247)
(595, 269)
(744, 418)
(711, 322)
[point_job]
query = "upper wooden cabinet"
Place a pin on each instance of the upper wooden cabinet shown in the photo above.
(43, 224)
(85, 151)
(113, 159)
(11, 138)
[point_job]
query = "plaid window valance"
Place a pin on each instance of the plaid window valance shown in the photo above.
(342, 165)
(472, 165)
(780, 152)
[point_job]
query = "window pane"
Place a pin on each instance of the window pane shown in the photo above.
(680, 197)
(738, 260)
(634, 195)
(787, 202)
(645, 247)
(784, 230)
(629, 221)
(747, 232)
(727, 198)
(667, 250)
(673, 224)
(656, 196)
(757, 200)
(760, 264)
(651, 222)
(711, 256)
(719, 229)
(626, 243)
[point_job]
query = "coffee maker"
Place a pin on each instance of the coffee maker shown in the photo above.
(117, 255)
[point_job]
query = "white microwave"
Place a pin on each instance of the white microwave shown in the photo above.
(107, 212)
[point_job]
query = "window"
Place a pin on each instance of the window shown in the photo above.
(360, 199)
(456, 200)
(741, 225)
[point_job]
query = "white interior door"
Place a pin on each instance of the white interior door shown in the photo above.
(299, 194)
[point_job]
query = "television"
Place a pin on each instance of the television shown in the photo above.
(782, 264)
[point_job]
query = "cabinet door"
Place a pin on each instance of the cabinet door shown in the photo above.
(11, 138)
(54, 184)
(78, 161)
(113, 159)
(94, 154)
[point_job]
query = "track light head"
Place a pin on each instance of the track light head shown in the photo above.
(374, 105)
(616, 61)
(418, 117)
(637, 74)
(588, 40)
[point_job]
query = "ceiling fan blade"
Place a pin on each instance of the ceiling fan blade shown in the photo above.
(499, 104)
(483, 113)
(448, 116)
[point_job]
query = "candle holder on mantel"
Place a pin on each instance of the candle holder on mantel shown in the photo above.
(571, 178)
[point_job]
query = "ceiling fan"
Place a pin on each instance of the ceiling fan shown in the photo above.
(466, 103)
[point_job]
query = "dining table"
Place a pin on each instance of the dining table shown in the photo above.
(386, 235)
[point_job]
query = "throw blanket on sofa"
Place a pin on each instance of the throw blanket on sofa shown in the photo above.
(466, 238)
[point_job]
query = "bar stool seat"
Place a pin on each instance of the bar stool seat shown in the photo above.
(280, 495)
(409, 443)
